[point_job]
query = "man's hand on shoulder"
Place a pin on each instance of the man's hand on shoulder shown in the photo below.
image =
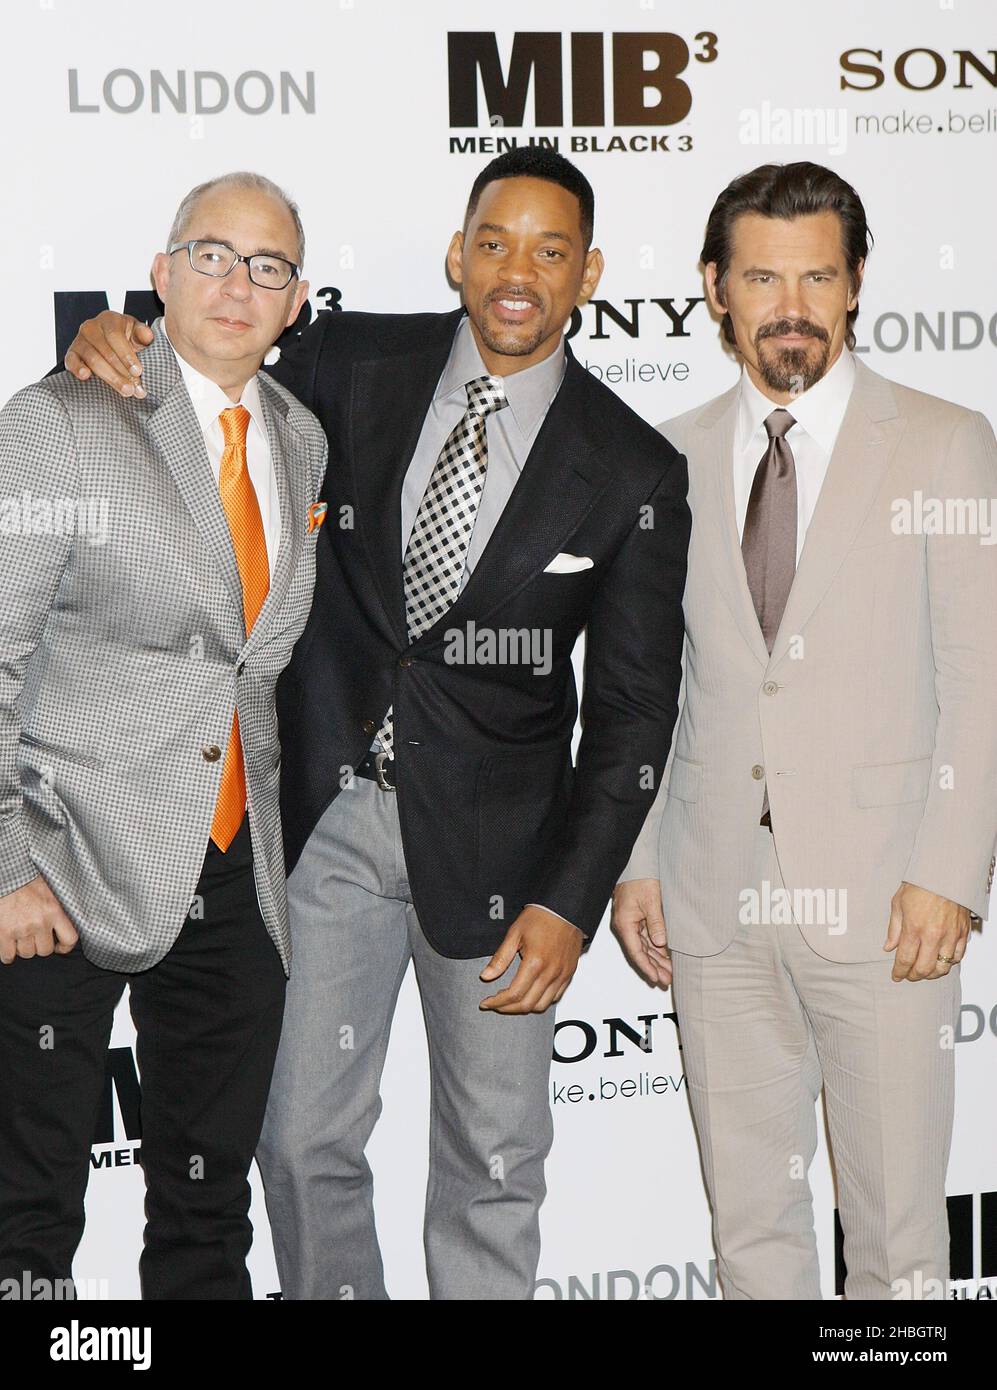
(107, 347)
(32, 923)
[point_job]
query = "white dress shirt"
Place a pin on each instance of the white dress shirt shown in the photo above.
(818, 414)
(209, 400)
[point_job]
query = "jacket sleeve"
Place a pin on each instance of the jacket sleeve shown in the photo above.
(633, 655)
(297, 367)
(38, 464)
(644, 860)
(953, 850)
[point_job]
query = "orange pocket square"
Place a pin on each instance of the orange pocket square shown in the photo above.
(316, 515)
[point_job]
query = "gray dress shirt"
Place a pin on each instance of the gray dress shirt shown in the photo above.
(510, 433)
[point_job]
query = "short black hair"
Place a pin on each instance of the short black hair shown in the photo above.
(538, 162)
(787, 191)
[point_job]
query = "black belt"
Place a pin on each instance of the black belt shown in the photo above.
(379, 768)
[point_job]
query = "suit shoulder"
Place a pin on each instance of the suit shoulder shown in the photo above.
(925, 410)
(354, 331)
(679, 427)
(63, 395)
(303, 418)
(621, 422)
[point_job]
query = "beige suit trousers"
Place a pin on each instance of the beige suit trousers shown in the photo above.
(764, 1024)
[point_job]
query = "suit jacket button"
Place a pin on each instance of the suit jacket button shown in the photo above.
(770, 688)
(758, 772)
(369, 727)
(404, 661)
(240, 668)
(211, 753)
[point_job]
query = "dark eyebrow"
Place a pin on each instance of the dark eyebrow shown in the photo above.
(815, 270)
(544, 236)
(260, 250)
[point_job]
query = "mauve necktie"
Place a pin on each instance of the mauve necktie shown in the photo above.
(768, 543)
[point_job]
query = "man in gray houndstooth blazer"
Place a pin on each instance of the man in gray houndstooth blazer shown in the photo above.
(157, 563)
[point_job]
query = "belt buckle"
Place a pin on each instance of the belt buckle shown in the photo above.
(379, 760)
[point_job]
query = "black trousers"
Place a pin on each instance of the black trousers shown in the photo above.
(208, 1019)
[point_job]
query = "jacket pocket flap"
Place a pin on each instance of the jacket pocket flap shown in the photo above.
(685, 780)
(891, 784)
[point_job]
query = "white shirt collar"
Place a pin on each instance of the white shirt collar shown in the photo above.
(209, 400)
(818, 411)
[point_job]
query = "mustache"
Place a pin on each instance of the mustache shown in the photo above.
(805, 328)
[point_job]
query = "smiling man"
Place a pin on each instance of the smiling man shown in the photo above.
(826, 826)
(480, 481)
(137, 718)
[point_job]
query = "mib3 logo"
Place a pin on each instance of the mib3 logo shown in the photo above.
(637, 82)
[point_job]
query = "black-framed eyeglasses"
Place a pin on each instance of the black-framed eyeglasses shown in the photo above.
(217, 258)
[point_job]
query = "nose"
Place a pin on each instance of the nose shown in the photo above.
(237, 284)
(517, 268)
(791, 302)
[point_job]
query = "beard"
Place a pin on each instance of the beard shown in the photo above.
(509, 340)
(796, 369)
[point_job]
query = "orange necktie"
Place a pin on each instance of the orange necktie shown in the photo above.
(242, 511)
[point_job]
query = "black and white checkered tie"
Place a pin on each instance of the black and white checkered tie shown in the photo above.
(437, 548)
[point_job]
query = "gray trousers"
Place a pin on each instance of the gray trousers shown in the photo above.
(764, 1025)
(354, 931)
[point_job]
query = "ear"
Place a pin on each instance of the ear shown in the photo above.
(455, 258)
(853, 297)
(162, 267)
(300, 295)
(594, 266)
(713, 293)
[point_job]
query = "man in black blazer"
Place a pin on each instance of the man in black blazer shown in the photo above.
(487, 500)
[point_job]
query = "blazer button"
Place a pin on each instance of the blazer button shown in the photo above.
(240, 668)
(404, 661)
(758, 772)
(369, 727)
(211, 753)
(770, 688)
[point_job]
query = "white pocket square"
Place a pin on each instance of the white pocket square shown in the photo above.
(568, 564)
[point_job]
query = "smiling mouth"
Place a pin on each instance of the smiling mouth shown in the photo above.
(511, 308)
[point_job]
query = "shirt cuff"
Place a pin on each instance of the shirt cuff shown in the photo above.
(556, 914)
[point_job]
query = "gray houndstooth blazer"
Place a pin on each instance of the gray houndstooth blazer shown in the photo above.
(123, 652)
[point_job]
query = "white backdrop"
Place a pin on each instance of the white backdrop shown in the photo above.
(346, 105)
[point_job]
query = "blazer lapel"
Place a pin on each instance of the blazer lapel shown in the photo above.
(561, 480)
(173, 428)
(719, 420)
(862, 452)
(390, 397)
(285, 447)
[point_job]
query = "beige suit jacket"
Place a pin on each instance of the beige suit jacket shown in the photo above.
(874, 721)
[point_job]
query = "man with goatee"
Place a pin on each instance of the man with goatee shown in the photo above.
(825, 831)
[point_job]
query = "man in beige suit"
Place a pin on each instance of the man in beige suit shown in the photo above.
(825, 831)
